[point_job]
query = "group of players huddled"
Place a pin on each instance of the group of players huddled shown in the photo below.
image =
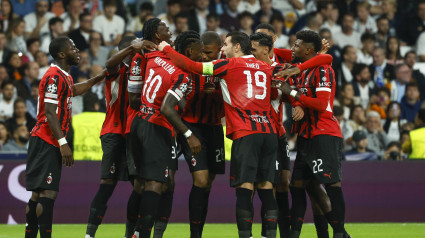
(161, 98)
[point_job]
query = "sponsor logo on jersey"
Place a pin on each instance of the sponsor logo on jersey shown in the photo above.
(259, 118)
(323, 82)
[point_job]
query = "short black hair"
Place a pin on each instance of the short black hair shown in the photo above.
(147, 6)
(412, 85)
(180, 15)
(150, 27)
(55, 20)
(263, 39)
(213, 15)
(57, 45)
(276, 17)
(385, 90)
(394, 143)
(311, 17)
(211, 37)
(310, 37)
(409, 52)
(89, 101)
(185, 39)
(382, 18)
(323, 30)
(7, 82)
(82, 15)
(324, 4)
(172, 2)
(367, 36)
(266, 26)
(338, 111)
(31, 41)
(245, 14)
(126, 41)
(109, 3)
(358, 68)
(345, 49)
(242, 39)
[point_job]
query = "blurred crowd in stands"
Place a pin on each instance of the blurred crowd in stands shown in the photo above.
(377, 48)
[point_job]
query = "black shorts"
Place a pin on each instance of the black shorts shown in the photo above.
(132, 171)
(44, 165)
(114, 160)
(174, 162)
(282, 159)
(152, 149)
(318, 158)
(253, 159)
(211, 157)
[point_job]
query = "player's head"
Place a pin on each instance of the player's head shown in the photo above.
(126, 42)
(307, 44)
(156, 31)
(189, 43)
(261, 45)
(268, 29)
(236, 44)
(212, 46)
(63, 49)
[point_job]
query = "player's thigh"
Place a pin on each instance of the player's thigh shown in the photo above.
(267, 159)
(131, 166)
(282, 163)
(216, 152)
(302, 170)
(326, 166)
(113, 159)
(198, 162)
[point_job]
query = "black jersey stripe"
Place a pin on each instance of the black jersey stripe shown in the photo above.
(220, 64)
(280, 60)
(240, 113)
(123, 110)
(222, 74)
(197, 91)
(204, 108)
(269, 124)
(263, 127)
(253, 122)
(313, 92)
(63, 98)
(331, 78)
(179, 81)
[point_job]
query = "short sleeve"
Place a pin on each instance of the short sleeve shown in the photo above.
(52, 89)
(324, 79)
(180, 85)
(137, 71)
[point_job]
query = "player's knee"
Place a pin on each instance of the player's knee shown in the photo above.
(49, 194)
(337, 184)
(153, 186)
(108, 181)
(201, 182)
(265, 185)
(35, 196)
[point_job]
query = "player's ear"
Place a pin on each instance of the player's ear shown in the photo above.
(62, 55)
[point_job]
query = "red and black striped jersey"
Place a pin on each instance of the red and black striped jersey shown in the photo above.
(161, 77)
(281, 56)
(317, 84)
(116, 102)
(55, 87)
(246, 88)
(201, 107)
(135, 84)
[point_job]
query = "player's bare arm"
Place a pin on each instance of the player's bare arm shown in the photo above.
(168, 109)
(53, 121)
(134, 100)
(83, 87)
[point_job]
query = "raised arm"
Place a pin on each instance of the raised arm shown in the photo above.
(182, 61)
(83, 87)
(320, 59)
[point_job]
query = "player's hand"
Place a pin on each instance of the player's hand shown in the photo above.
(282, 85)
(298, 113)
(325, 46)
(194, 144)
(288, 72)
(67, 157)
(143, 45)
(162, 45)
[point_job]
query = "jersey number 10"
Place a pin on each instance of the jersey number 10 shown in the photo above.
(149, 84)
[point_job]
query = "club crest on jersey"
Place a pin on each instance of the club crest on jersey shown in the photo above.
(112, 169)
(52, 88)
(166, 172)
(193, 162)
(136, 70)
(49, 179)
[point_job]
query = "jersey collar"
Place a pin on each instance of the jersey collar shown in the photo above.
(63, 71)
(247, 56)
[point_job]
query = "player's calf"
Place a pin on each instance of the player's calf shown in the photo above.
(244, 213)
(270, 211)
(164, 210)
(31, 229)
(44, 212)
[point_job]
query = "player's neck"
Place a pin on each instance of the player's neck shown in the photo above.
(307, 57)
(64, 66)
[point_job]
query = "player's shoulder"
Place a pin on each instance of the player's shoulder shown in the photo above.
(54, 72)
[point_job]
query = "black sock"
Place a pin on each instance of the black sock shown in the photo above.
(337, 215)
(299, 205)
(164, 212)
(263, 221)
(271, 211)
(132, 211)
(321, 226)
(284, 216)
(244, 212)
(45, 219)
(197, 203)
(205, 210)
(148, 211)
(98, 207)
(31, 229)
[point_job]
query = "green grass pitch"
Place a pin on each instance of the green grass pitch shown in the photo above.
(179, 230)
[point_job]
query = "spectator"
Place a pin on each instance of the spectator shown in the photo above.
(278, 24)
(330, 13)
(313, 22)
(15, 36)
(346, 126)
(389, 10)
(32, 101)
(229, 19)
(343, 71)
(98, 53)
(83, 67)
(392, 125)
(36, 22)
(197, 17)
(358, 116)
(246, 20)
(251, 6)
(213, 24)
(382, 72)
(364, 55)
(94, 7)
(14, 63)
(393, 151)
(265, 13)
(3, 74)
(346, 99)
(30, 70)
(398, 86)
(393, 54)
(7, 14)
(77, 102)
(420, 47)
(363, 85)
(136, 23)
(360, 140)
(377, 139)
(110, 25)
(81, 35)
(379, 102)
(19, 140)
(173, 8)
(364, 22)
(404, 136)
(346, 7)
(33, 45)
(347, 36)
(4, 134)
(383, 33)
(23, 8)
(71, 16)
(4, 51)
(410, 60)
(43, 62)
(414, 26)
(20, 116)
(99, 88)
(182, 24)
(55, 30)
(415, 144)
(334, 50)
(408, 126)
(410, 104)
